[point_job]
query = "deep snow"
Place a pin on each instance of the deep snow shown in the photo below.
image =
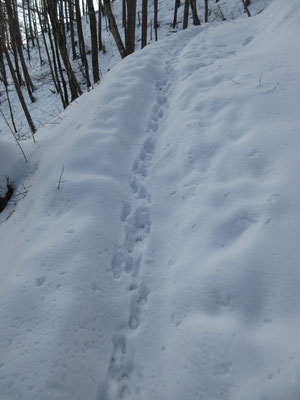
(167, 264)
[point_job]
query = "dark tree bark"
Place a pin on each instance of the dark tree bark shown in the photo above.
(37, 37)
(196, 20)
(30, 22)
(57, 65)
(26, 29)
(16, 60)
(100, 44)
(246, 7)
(19, 92)
(144, 22)
(114, 29)
(186, 14)
(82, 45)
(155, 4)
(176, 6)
(58, 36)
(205, 11)
(5, 199)
(16, 37)
(124, 14)
(71, 24)
(93, 29)
(131, 24)
(54, 75)
(3, 75)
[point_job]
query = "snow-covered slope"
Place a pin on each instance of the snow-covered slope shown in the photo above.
(167, 265)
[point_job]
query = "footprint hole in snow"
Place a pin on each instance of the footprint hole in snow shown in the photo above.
(133, 323)
(40, 281)
(126, 208)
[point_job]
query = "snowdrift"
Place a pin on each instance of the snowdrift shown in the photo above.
(166, 266)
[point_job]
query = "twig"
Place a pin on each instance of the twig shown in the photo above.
(60, 178)
(9, 215)
(246, 8)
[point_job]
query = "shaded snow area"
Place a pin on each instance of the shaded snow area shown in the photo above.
(166, 266)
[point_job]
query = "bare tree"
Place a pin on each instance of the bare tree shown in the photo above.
(176, 6)
(186, 14)
(155, 5)
(131, 24)
(93, 29)
(205, 11)
(196, 20)
(144, 22)
(114, 28)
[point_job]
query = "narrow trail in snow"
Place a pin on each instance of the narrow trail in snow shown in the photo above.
(129, 257)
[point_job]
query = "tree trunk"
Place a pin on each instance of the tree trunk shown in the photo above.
(114, 29)
(100, 44)
(155, 4)
(186, 14)
(57, 65)
(93, 29)
(53, 75)
(73, 84)
(30, 22)
(144, 22)
(176, 5)
(205, 11)
(131, 24)
(26, 29)
(19, 92)
(71, 23)
(82, 45)
(196, 20)
(16, 37)
(246, 7)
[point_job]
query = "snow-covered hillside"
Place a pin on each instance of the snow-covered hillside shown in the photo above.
(166, 266)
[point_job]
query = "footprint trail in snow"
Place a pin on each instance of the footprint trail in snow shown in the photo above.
(128, 261)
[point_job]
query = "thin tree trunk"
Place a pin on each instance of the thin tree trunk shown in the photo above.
(114, 29)
(16, 36)
(30, 23)
(57, 65)
(245, 3)
(73, 84)
(144, 22)
(71, 23)
(196, 20)
(37, 38)
(3, 74)
(100, 44)
(54, 74)
(186, 14)
(155, 4)
(17, 67)
(131, 24)
(20, 94)
(82, 45)
(93, 29)
(176, 6)
(205, 11)
(26, 29)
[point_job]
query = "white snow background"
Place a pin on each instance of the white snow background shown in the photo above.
(167, 264)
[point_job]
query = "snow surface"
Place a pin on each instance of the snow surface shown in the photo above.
(166, 266)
